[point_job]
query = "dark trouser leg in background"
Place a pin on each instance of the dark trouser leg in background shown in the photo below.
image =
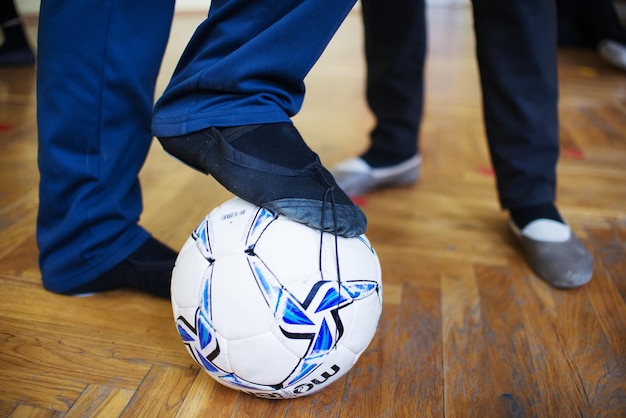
(517, 58)
(15, 49)
(516, 51)
(395, 50)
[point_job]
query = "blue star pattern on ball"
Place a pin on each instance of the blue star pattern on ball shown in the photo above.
(316, 318)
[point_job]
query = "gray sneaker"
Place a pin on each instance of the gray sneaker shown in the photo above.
(613, 52)
(356, 177)
(559, 257)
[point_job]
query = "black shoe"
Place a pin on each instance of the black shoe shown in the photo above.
(149, 269)
(271, 166)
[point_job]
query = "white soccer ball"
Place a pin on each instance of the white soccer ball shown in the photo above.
(272, 307)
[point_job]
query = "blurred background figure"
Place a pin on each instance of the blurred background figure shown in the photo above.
(15, 49)
(593, 24)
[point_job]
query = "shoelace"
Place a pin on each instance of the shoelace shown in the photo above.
(329, 195)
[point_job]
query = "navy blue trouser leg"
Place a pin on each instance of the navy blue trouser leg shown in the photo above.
(517, 58)
(246, 64)
(97, 67)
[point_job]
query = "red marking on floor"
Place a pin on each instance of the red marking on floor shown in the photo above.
(487, 171)
(359, 200)
(573, 153)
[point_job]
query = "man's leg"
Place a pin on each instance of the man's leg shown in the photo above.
(98, 63)
(227, 109)
(395, 50)
(516, 51)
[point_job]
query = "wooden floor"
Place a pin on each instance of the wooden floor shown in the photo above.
(467, 329)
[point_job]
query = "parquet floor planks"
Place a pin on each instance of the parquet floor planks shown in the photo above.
(467, 329)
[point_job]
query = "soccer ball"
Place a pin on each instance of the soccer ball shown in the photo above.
(271, 307)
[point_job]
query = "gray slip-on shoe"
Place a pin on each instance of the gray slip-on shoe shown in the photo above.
(356, 177)
(613, 52)
(559, 258)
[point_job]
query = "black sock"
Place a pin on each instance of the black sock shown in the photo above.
(523, 216)
(148, 269)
